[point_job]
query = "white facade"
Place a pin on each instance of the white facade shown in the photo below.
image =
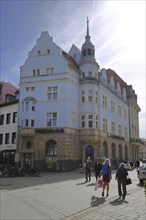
(8, 126)
(69, 91)
(52, 83)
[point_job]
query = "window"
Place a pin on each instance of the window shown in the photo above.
(14, 138)
(7, 138)
(52, 119)
(52, 69)
(90, 95)
(38, 72)
(96, 97)
(32, 88)
(33, 106)
(90, 73)
(89, 51)
(1, 119)
(48, 51)
(119, 110)
(27, 106)
(104, 101)
(32, 123)
(82, 121)
(125, 132)
(120, 130)
(8, 118)
(105, 124)
(84, 52)
(1, 139)
(26, 122)
(113, 127)
(83, 74)
(47, 70)
(96, 121)
(34, 72)
(52, 93)
(90, 121)
(39, 52)
(14, 117)
(27, 89)
(112, 106)
(82, 96)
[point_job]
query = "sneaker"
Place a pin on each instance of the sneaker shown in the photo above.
(103, 194)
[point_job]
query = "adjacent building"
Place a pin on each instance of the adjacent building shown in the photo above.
(8, 122)
(69, 108)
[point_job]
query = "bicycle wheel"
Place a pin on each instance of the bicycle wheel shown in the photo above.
(36, 172)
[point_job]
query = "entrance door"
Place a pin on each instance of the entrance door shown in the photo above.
(51, 155)
(28, 159)
(89, 152)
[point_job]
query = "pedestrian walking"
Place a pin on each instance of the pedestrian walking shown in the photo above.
(106, 174)
(97, 169)
(121, 176)
(88, 169)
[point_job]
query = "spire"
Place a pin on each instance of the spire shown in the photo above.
(87, 35)
(88, 51)
(87, 26)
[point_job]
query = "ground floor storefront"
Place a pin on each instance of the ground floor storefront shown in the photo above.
(64, 149)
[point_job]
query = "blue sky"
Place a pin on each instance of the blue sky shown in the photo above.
(117, 29)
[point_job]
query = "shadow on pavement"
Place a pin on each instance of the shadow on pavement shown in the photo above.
(117, 201)
(95, 201)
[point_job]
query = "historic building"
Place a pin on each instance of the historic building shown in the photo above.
(69, 108)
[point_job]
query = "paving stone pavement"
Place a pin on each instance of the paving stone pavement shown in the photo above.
(132, 208)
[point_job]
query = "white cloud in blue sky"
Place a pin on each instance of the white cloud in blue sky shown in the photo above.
(117, 29)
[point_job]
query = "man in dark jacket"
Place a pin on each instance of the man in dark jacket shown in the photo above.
(121, 177)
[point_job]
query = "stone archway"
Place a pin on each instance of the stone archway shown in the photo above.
(89, 152)
(113, 156)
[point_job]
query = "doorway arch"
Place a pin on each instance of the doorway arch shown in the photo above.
(51, 155)
(89, 152)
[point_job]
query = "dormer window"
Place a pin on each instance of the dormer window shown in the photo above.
(48, 51)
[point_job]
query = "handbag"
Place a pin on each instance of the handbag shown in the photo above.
(128, 181)
(100, 181)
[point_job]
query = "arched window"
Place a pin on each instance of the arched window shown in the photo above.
(89, 152)
(51, 154)
(105, 149)
(113, 159)
(120, 153)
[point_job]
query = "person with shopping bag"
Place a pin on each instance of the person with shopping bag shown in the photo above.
(106, 175)
(121, 176)
(97, 171)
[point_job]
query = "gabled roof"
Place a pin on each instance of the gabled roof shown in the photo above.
(70, 60)
(116, 77)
